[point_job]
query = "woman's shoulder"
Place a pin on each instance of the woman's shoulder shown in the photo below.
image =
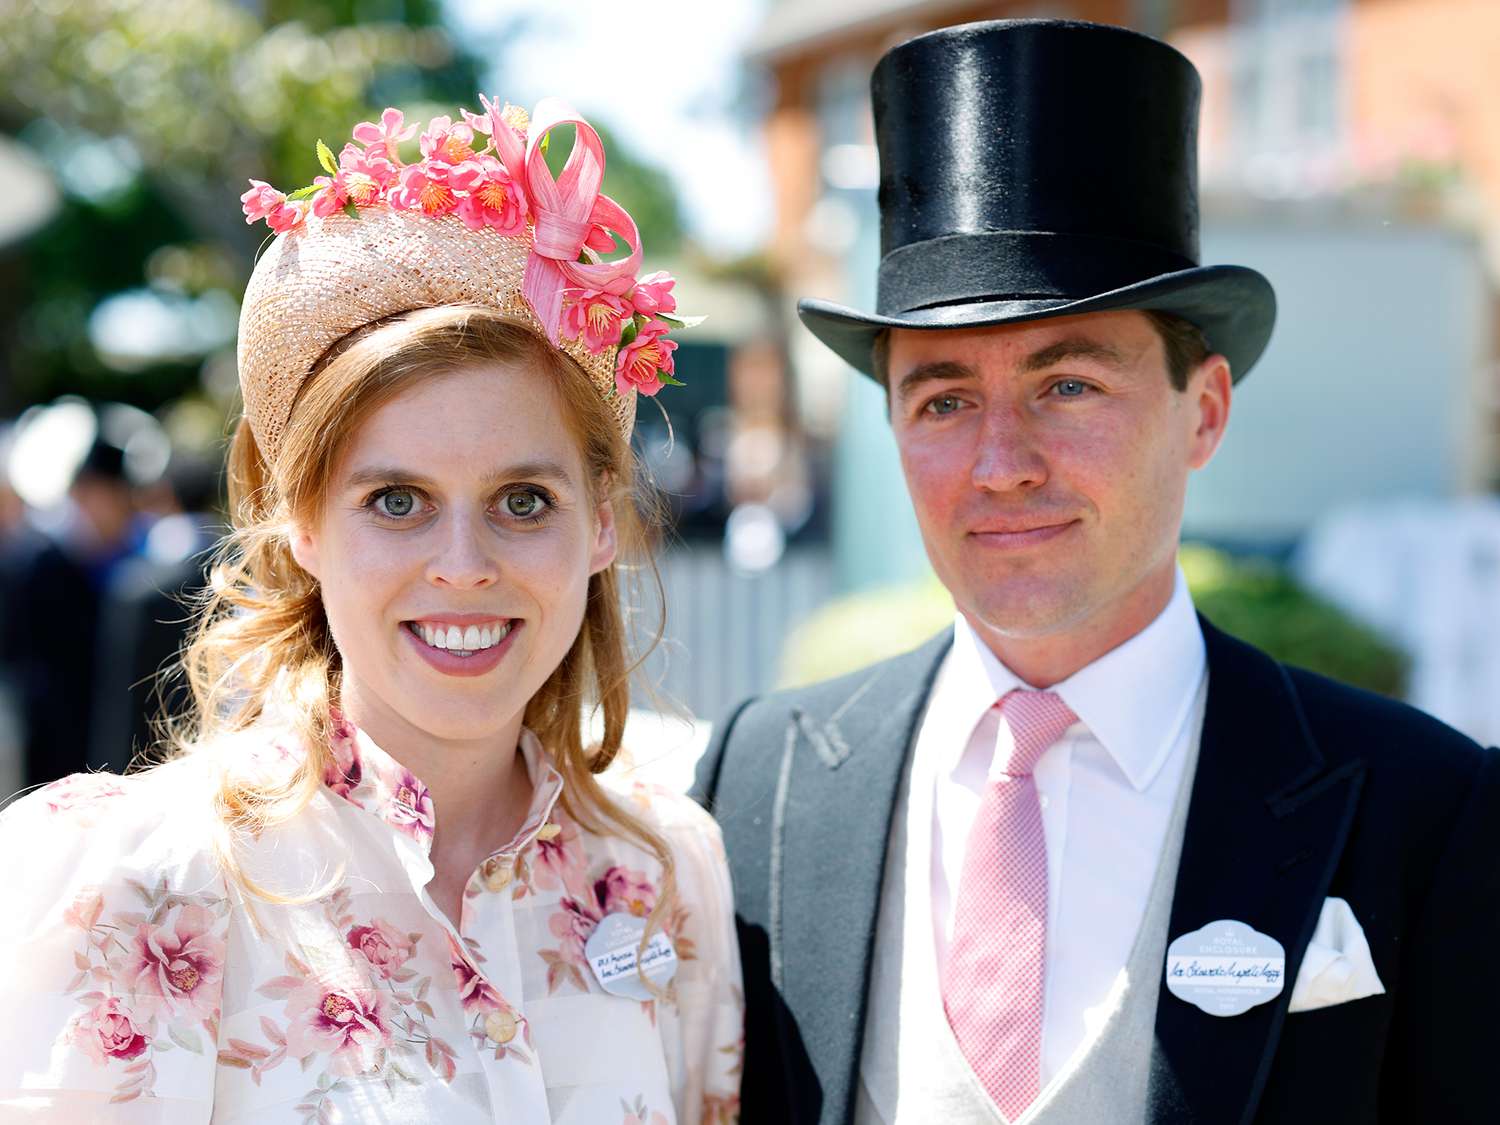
(152, 827)
(681, 822)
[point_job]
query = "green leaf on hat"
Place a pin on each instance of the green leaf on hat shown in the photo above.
(668, 379)
(303, 193)
(351, 210)
(629, 331)
(682, 321)
(325, 158)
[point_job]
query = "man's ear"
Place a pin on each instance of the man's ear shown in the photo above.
(1209, 392)
(305, 550)
(606, 541)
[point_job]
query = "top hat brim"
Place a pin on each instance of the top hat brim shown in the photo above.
(1234, 307)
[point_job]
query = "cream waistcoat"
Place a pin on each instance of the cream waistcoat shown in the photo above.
(911, 1069)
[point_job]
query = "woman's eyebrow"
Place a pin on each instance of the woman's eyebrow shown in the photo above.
(525, 470)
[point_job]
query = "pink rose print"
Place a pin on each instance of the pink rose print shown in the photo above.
(474, 991)
(560, 861)
(178, 963)
(348, 1024)
(384, 948)
(81, 791)
(411, 806)
(639, 1114)
(622, 891)
(574, 923)
(110, 1031)
(345, 771)
(86, 909)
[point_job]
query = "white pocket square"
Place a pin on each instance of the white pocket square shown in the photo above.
(1337, 966)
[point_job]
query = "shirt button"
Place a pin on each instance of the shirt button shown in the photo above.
(500, 1027)
(497, 874)
(1045, 802)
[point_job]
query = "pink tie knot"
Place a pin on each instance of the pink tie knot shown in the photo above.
(1037, 719)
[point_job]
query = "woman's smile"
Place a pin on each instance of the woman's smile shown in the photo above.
(462, 648)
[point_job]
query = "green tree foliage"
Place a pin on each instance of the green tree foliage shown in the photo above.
(1254, 600)
(155, 113)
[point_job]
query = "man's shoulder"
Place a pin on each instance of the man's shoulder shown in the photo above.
(1397, 744)
(872, 689)
(1384, 732)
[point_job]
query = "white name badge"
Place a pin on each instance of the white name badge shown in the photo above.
(611, 952)
(1226, 968)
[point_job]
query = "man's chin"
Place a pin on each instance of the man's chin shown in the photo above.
(1032, 612)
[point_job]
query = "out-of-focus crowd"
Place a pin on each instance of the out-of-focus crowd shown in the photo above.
(105, 534)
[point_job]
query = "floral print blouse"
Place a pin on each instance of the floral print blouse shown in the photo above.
(138, 985)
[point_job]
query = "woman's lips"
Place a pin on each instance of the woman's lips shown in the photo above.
(450, 662)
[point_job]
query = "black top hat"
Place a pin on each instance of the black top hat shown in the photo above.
(1041, 168)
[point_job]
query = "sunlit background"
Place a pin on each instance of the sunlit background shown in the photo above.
(1350, 150)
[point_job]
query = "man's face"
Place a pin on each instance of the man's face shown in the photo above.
(1047, 462)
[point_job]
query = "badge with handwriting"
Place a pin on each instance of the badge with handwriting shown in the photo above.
(1226, 968)
(611, 952)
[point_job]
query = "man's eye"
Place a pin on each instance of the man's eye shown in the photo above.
(397, 503)
(1070, 388)
(944, 404)
(524, 504)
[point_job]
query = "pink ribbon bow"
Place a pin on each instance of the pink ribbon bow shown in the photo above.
(568, 212)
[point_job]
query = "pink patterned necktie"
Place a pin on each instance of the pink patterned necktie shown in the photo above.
(992, 979)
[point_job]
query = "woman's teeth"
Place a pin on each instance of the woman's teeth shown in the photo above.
(460, 642)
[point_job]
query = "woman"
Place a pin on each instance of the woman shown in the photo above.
(381, 880)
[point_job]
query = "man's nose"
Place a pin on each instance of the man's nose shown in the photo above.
(1009, 454)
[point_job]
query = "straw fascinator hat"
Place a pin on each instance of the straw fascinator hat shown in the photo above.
(479, 219)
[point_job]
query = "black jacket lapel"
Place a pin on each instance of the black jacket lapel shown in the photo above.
(840, 773)
(1265, 830)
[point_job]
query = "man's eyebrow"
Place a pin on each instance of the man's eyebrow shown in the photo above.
(526, 470)
(931, 372)
(1074, 347)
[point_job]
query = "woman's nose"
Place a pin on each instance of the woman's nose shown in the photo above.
(465, 555)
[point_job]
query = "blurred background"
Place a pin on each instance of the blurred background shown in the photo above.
(1350, 151)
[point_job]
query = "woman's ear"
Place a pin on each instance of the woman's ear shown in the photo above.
(606, 544)
(304, 546)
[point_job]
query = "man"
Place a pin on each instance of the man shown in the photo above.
(1084, 858)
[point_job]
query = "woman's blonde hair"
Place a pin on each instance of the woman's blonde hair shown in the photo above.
(262, 629)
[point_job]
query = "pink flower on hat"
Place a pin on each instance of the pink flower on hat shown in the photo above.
(263, 201)
(641, 362)
(260, 201)
(385, 136)
(427, 187)
(595, 317)
(653, 294)
(445, 141)
(331, 197)
(366, 174)
(491, 197)
(287, 217)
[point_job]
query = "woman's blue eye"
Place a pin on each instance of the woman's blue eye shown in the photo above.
(396, 503)
(523, 504)
(1071, 388)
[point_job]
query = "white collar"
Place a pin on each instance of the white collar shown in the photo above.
(1133, 699)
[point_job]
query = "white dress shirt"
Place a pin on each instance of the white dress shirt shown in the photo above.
(1106, 790)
